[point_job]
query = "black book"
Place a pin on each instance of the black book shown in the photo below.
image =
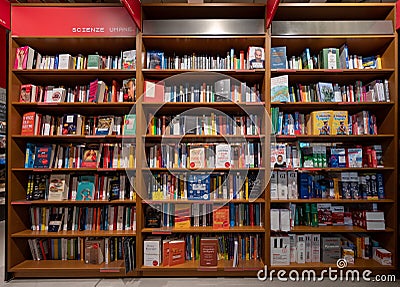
(152, 217)
(55, 222)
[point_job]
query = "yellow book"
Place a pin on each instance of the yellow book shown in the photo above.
(182, 216)
(339, 123)
(246, 188)
(321, 123)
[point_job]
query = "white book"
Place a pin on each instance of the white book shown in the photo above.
(284, 219)
(282, 185)
(301, 249)
(308, 247)
(274, 185)
(293, 247)
(292, 184)
(315, 248)
(222, 156)
(275, 222)
(64, 62)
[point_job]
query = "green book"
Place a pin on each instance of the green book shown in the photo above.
(93, 62)
(129, 125)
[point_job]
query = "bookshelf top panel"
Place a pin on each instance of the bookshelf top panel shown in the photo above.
(333, 11)
(203, 11)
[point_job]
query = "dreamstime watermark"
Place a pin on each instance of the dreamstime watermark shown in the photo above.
(338, 273)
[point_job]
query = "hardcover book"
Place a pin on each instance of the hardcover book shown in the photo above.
(176, 252)
(85, 189)
(104, 125)
(21, 58)
(42, 156)
(182, 216)
(72, 124)
(152, 216)
(129, 60)
(325, 92)
(208, 252)
(94, 251)
(129, 91)
(93, 62)
(197, 157)
(155, 60)
(321, 123)
(339, 122)
(221, 217)
(129, 127)
(55, 222)
(25, 93)
(198, 186)
(256, 57)
(153, 91)
(28, 124)
(223, 156)
(90, 156)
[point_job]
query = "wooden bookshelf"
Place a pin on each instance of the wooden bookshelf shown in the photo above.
(385, 45)
(19, 263)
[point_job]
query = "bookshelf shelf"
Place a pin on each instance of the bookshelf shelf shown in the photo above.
(75, 139)
(73, 234)
(204, 229)
(72, 170)
(342, 229)
(379, 137)
(74, 202)
(203, 169)
(58, 268)
(223, 265)
(332, 169)
(328, 200)
(185, 201)
(202, 138)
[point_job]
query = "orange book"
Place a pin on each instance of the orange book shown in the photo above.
(221, 217)
(176, 252)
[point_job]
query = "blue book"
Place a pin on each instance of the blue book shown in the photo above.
(42, 156)
(278, 57)
(198, 187)
(29, 155)
(380, 185)
(85, 190)
(304, 185)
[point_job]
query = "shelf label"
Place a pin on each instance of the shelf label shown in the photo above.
(161, 231)
(75, 22)
(5, 14)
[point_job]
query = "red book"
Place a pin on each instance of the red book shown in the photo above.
(176, 252)
(153, 92)
(25, 93)
(28, 124)
(251, 213)
(208, 252)
(165, 252)
(221, 217)
(21, 58)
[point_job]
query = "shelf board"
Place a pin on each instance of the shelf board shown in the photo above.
(160, 169)
(74, 202)
(341, 228)
(75, 138)
(358, 264)
(185, 201)
(330, 200)
(343, 72)
(86, 108)
(349, 106)
(58, 268)
(202, 138)
(334, 137)
(243, 74)
(204, 229)
(68, 170)
(70, 233)
(229, 107)
(223, 265)
(334, 169)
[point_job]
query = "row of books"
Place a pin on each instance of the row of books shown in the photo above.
(343, 185)
(254, 59)
(225, 90)
(322, 155)
(80, 218)
(181, 216)
(210, 124)
(116, 155)
(282, 91)
(75, 124)
(326, 58)
(90, 250)
(28, 58)
(305, 248)
(57, 187)
(170, 251)
(196, 186)
(201, 155)
(327, 122)
(97, 91)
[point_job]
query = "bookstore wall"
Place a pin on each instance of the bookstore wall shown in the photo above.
(205, 144)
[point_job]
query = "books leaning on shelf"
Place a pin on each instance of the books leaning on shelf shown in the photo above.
(280, 89)
(278, 58)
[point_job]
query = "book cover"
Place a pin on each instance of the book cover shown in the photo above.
(182, 216)
(325, 91)
(90, 156)
(278, 57)
(278, 155)
(85, 189)
(324, 214)
(129, 91)
(42, 156)
(129, 127)
(25, 93)
(58, 187)
(72, 124)
(176, 252)
(280, 89)
(94, 251)
(321, 122)
(198, 186)
(155, 60)
(129, 59)
(104, 125)
(152, 216)
(28, 124)
(21, 58)
(223, 156)
(153, 91)
(55, 222)
(197, 157)
(208, 252)
(58, 95)
(256, 57)
(221, 217)
(93, 62)
(354, 157)
(339, 122)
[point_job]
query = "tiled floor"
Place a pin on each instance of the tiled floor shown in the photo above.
(170, 282)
